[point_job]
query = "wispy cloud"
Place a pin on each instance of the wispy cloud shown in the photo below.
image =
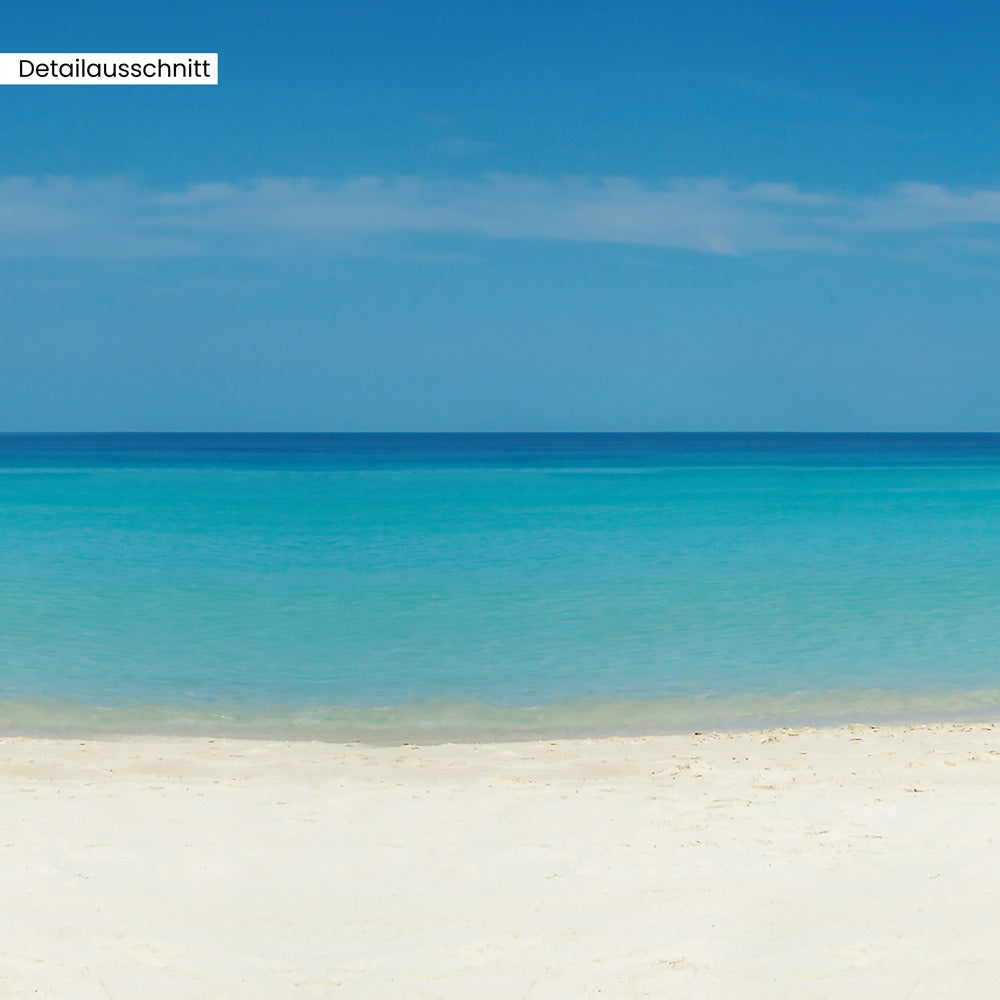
(116, 218)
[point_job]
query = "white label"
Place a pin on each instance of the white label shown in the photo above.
(109, 67)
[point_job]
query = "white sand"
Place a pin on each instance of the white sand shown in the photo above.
(848, 863)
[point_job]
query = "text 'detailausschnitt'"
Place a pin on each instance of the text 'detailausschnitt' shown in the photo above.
(109, 67)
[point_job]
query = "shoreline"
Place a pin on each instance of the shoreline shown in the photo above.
(856, 861)
(436, 722)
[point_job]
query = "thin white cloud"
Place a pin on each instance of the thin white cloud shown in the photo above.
(706, 215)
(115, 218)
(912, 206)
(66, 217)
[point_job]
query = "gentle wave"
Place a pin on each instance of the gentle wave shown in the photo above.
(430, 721)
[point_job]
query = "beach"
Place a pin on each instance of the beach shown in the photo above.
(848, 862)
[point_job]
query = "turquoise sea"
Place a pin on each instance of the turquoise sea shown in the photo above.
(423, 587)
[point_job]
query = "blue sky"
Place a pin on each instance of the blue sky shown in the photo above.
(528, 216)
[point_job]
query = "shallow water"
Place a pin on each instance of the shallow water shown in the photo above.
(462, 585)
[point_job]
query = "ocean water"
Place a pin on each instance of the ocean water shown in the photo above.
(463, 586)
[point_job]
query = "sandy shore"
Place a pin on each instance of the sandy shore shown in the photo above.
(814, 863)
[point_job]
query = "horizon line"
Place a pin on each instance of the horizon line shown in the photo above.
(494, 433)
